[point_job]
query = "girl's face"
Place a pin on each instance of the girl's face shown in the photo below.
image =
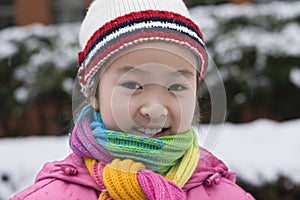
(149, 92)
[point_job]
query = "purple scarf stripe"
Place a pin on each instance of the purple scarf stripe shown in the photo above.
(84, 144)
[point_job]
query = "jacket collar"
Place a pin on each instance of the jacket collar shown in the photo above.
(72, 169)
(209, 171)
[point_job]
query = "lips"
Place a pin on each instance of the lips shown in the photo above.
(164, 132)
(151, 132)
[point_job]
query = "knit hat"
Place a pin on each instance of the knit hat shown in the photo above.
(113, 25)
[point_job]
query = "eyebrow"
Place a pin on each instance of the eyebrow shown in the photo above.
(127, 68)
(184, 72)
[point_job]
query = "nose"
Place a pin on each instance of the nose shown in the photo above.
(154, 111)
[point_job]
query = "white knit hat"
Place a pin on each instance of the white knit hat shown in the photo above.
(112, 25)
(103, 11)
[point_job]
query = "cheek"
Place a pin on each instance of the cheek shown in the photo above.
(189, 110)
(185, 113)
(104, 102)
(106, 111)
(115, 110)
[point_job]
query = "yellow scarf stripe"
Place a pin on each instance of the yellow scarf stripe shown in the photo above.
(89, 164)
(104, 196)
(120, 178)
(181, 172)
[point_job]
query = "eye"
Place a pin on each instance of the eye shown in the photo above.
(132, 85)
(176, 87)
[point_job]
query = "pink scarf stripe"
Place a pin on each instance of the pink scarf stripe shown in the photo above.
(156, 186)
(83, 138)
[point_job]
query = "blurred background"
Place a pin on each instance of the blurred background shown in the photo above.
(254, 43)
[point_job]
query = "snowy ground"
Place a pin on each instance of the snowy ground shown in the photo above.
(261, 150)
(257, 151)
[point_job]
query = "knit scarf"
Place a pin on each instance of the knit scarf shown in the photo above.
(147, 160)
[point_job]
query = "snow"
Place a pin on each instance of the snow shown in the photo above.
(257, 151)
(295, 76)
(68, 84)
(21, 94)
(261, 150)
(22, 158)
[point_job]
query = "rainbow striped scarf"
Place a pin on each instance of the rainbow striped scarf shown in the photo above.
(174, 157)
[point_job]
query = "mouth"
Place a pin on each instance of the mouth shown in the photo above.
(151, 132)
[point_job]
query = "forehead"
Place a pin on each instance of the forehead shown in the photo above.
(173, 56)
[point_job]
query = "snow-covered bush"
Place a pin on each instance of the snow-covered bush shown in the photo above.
(39, 57)
(257, 49)
(38, 63)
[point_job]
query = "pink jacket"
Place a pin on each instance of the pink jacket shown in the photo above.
(70, 180)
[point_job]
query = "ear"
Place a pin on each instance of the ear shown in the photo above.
(94, 102)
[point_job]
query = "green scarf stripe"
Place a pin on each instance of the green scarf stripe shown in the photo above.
(152, 152)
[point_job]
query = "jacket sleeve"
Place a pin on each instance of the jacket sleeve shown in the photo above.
(53, 189)
(224, 189)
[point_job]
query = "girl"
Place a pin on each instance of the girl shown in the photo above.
(133, 105)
